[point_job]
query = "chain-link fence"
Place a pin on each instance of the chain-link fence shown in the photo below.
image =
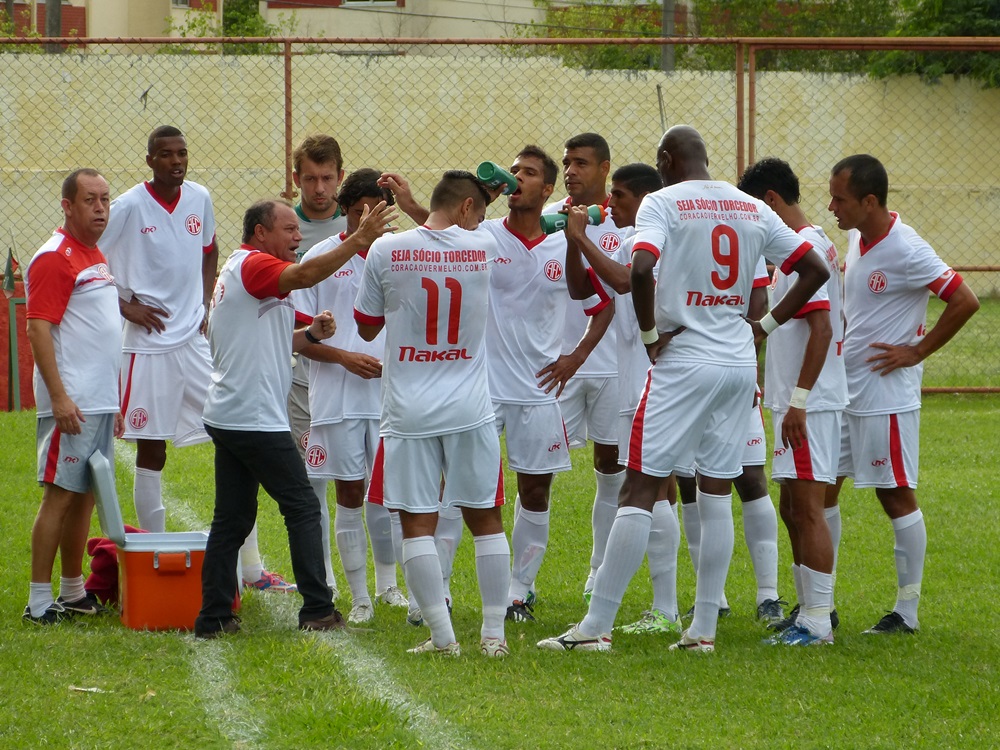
(420, 108)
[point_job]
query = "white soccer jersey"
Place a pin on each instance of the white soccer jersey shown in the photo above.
(155, 252)
(528, 298)
(430, 289)
(336, 394)
(602, 361)
(250, 332)
(786, 345)
(633, 362)
(69, 285)
(886, 288)
(314, 231)
(708, 237)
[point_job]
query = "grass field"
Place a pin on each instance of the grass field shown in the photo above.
(273, 687)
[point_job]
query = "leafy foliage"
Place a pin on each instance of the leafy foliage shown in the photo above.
(240, 18)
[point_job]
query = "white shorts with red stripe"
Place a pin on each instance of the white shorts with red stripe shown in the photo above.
(881, 450)
(816, 460)
(692, 415)
(163, 395)
(589, 408)
(344, 451)
(62, 459)
(536, 437)
(755, 447)
(408, 471)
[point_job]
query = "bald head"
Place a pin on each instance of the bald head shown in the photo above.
(682, 155)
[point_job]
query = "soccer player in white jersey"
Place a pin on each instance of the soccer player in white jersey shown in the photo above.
(246, 415)
(344, 403)
(890, 272)
(160, 245)
(806, 397)
(707, 237)
(589, 402)
(428, 289)
(629, 185)
(75, 337)
(528, 299)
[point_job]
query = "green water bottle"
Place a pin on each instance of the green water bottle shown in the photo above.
(493, 175)
(552, 223)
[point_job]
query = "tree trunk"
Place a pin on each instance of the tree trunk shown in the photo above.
(667, 30)
(53, 24)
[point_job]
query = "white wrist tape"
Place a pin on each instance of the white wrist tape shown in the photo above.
(799, 398)
(769, 324)
(649, 337)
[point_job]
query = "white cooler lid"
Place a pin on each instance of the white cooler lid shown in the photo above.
(108, 513)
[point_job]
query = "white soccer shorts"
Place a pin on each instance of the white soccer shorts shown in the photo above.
(589, 408)
(536, 437)
(62, 458)
(817, 459)
(344, 451)
(884, 449)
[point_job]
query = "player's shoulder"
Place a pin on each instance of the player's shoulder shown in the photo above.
(134, 195)
(55, 242)
(323, 246)
(197, 188)
(555, 207)
(902, 233)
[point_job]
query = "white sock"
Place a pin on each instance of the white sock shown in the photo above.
(627, 545)
(799, 590)
(379, 522)
(320, 487)
(251, 566)
(493, 572)
(40, 598)
(147, 494)
(760, 529)
(817, 591)
(528, 539)
(397, 536)
(664, 541)
(833, 520)
(603, 514)
(423, 578)
(349, 528)
(692, 532)
(71, 589)
(910, 549)
(446, 538)
(714, 555)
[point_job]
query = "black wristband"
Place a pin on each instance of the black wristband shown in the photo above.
(310, 338)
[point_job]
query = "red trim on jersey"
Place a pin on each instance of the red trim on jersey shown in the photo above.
(648, 247)
(598, 286)
(528, 244)
(376, 485)
(809, 307)
(128, 384)
(946, 284)
(791, 260)
(803, 462)
(168, 207)
(52, 458)
(499, 497)
(896, 453)
(208, 248)
(761, 281)
(303, 319)
(591, 311)
(368, 320)
(804, 226)
(635, 439)
(259, 273)
(861, 240)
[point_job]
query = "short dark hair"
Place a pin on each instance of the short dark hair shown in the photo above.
(867, 177)
(638, 178)
(550, 170)
(591, 140)
(320, 149)
(455, 186)
(261, 212)
(163, 131)
(70, 184)
(360, 184)
(771, 174)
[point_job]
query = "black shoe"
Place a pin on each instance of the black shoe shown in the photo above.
(55, 613)
(834, 620)
(893, 622)
(88, 605)
(332, 621)
(771, 610)
(782, 625)
(520, 612)
(225, 626)
(723, 612)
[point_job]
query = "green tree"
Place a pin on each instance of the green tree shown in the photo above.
(239, 18)
(940, 18)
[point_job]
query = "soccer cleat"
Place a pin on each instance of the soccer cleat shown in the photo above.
(652, 621)
(86, 605)
(272, 583)
(695, 645)
(587, 593)
(393, 596)
(332, 621)
(531, 598)
(428, 647)
(800, 636)
(723, 612)
(494, 647)
(415, 617)
(785, 623)
(893, 622)
(227, 626)
(361, 612)
(574, 640)
(53, 614)
(834, 619)
(519, 612)
(771, 611)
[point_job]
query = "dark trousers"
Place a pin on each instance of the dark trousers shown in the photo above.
(244, 462)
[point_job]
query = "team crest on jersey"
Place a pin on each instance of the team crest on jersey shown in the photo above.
(138, 418)
(877, 282)
(316, 456)
(304, 440)
(609, 242)
(193, 224)
(553, 270)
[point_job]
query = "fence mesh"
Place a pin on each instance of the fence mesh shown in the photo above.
(420, 109)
